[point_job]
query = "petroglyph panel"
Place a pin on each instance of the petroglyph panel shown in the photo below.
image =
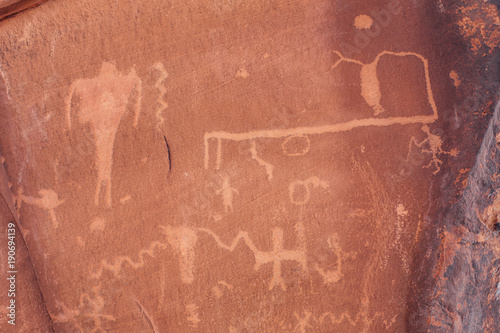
(258, 166)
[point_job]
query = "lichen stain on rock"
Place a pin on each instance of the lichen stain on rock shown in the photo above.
(479, 23)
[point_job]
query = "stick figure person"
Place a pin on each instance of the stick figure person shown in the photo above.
(435, 148)
(228, 193)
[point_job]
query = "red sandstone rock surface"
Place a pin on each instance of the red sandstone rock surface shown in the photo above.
(11, 7)
(250, 166)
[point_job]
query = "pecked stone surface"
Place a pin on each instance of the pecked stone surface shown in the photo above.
(254, 166)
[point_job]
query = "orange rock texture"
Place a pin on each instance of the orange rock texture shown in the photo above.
(250, 166)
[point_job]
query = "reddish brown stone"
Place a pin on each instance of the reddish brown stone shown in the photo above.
(10, 7)
(253, 166)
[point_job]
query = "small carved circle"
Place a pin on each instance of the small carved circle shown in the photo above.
(296, 145)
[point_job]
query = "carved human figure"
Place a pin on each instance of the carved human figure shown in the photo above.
(435, 144)
(303, 321)
(183, 241)
(103, 102)
(227, 193)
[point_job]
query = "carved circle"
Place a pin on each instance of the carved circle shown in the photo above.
(296, 145)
